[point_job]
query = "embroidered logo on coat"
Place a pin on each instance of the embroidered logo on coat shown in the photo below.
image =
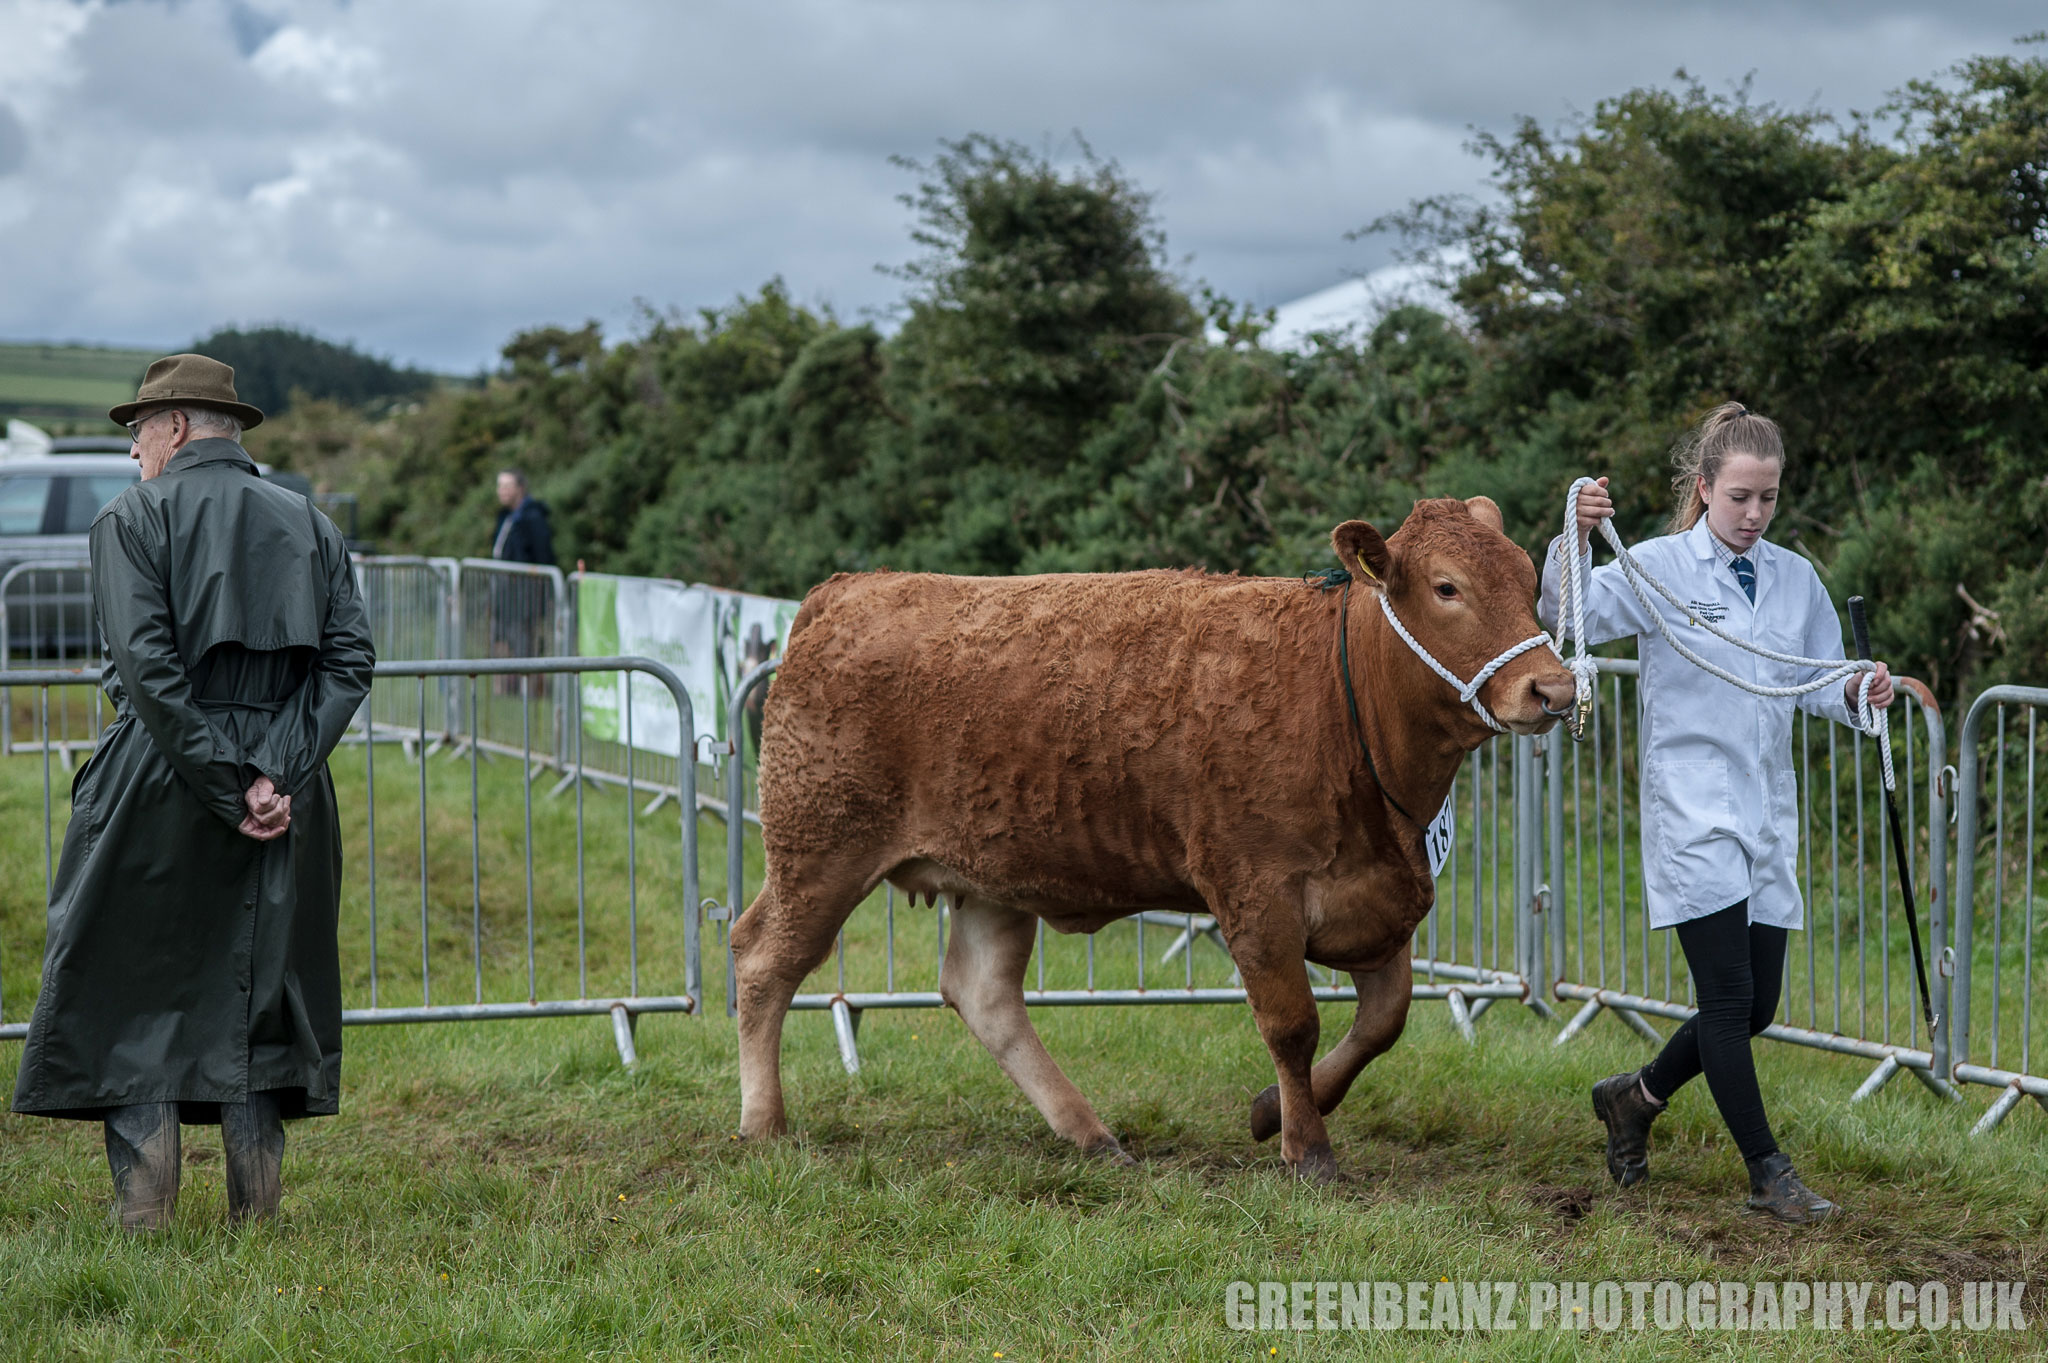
(1713, 612)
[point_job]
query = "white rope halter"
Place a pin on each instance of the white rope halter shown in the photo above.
(1467, 691)
(1571, 606)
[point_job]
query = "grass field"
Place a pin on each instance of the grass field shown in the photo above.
(66, 383)
(508, 1191)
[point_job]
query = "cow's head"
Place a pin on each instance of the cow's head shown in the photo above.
(1467, 593)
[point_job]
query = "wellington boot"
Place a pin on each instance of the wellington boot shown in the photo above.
(252, 1138)
(143, 1153)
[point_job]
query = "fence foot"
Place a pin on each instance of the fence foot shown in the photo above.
(1480, 1006)
(568, 782)
(1461, 1017)
(659, 801)
(1185, 935)
(1879, 1077)
(1940, 1087)
(623, 1027)
(1995, 1114)
(1541, 1009)
(1639, 1026)
(846, 1025)
(1579, 1021)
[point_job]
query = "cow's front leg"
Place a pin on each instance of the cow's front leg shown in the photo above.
(1383, 997)
(1275, 976)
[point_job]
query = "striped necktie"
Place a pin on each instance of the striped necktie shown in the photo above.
(1745, 573)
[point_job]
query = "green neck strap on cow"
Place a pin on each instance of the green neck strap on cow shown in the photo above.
(1322, 582)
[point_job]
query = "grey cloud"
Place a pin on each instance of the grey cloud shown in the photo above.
(13, 142)
(250, 26)
(427, 178)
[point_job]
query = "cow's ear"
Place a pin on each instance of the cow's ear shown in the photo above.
(1486, 512)
(1361, 550)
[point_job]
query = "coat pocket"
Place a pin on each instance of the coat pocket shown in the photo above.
(1692, 803)
(85, 781)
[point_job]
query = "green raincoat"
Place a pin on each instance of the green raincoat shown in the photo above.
(186, 962)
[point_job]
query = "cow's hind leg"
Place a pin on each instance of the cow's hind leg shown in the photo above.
(783, 936)
(983, 978)
(1383, 997)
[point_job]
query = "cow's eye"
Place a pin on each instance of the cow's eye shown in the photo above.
(1446, 591)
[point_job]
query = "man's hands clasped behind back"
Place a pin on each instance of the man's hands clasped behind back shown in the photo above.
(270, 811)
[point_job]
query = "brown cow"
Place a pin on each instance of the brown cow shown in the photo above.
(1078, 748)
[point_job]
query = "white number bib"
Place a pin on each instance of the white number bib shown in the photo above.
(1438, 837)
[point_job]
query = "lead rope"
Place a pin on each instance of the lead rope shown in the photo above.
(1467, 691)
(1572, 590)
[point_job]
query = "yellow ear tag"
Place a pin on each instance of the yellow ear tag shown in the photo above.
(1370, 575)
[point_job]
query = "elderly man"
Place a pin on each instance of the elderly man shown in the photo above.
(191, 973)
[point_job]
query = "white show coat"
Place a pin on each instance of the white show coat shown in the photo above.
(1720, 810)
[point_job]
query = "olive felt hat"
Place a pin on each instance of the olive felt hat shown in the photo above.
(178, 379)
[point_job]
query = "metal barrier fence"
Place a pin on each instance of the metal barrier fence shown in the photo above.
(1849, 979)
(606, 759)
(544, 920)
(410, 605)
(514, 610)
(446, 608)
(1540, 884)
(1995, 988)
(47, 620)
(1471, 951)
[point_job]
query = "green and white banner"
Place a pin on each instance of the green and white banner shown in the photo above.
(701, 632)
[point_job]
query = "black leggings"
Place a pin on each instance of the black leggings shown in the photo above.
(1738, 967)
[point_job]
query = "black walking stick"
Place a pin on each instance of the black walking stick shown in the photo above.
(1861, 628)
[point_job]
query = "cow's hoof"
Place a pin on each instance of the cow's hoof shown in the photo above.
(1317, 1166)
(1109, 1151)
(1266, 1114)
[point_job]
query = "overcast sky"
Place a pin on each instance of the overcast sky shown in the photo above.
(425, 177)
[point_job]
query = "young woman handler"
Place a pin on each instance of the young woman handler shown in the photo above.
(1719, 808)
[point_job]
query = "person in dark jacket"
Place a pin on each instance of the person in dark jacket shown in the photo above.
(191, 972)
(519, 611)
(522, 534)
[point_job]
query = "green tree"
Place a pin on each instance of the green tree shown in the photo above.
(1870, 293)
(276, 366)
(1052, 400)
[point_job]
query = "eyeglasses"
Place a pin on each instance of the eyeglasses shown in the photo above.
(135, 426)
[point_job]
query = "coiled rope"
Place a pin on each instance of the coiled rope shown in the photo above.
(1574, 585)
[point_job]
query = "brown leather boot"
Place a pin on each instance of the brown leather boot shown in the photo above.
(1775, 1190)
(1618, 1101)
(252, 1139)
(144, 1155)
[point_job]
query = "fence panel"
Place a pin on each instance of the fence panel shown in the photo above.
(1849, 977)
(1999, 994)
(515, 610)
(464, 896)
(47, 621)
(410, 603)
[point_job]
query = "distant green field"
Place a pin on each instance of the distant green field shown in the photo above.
(66, 383)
